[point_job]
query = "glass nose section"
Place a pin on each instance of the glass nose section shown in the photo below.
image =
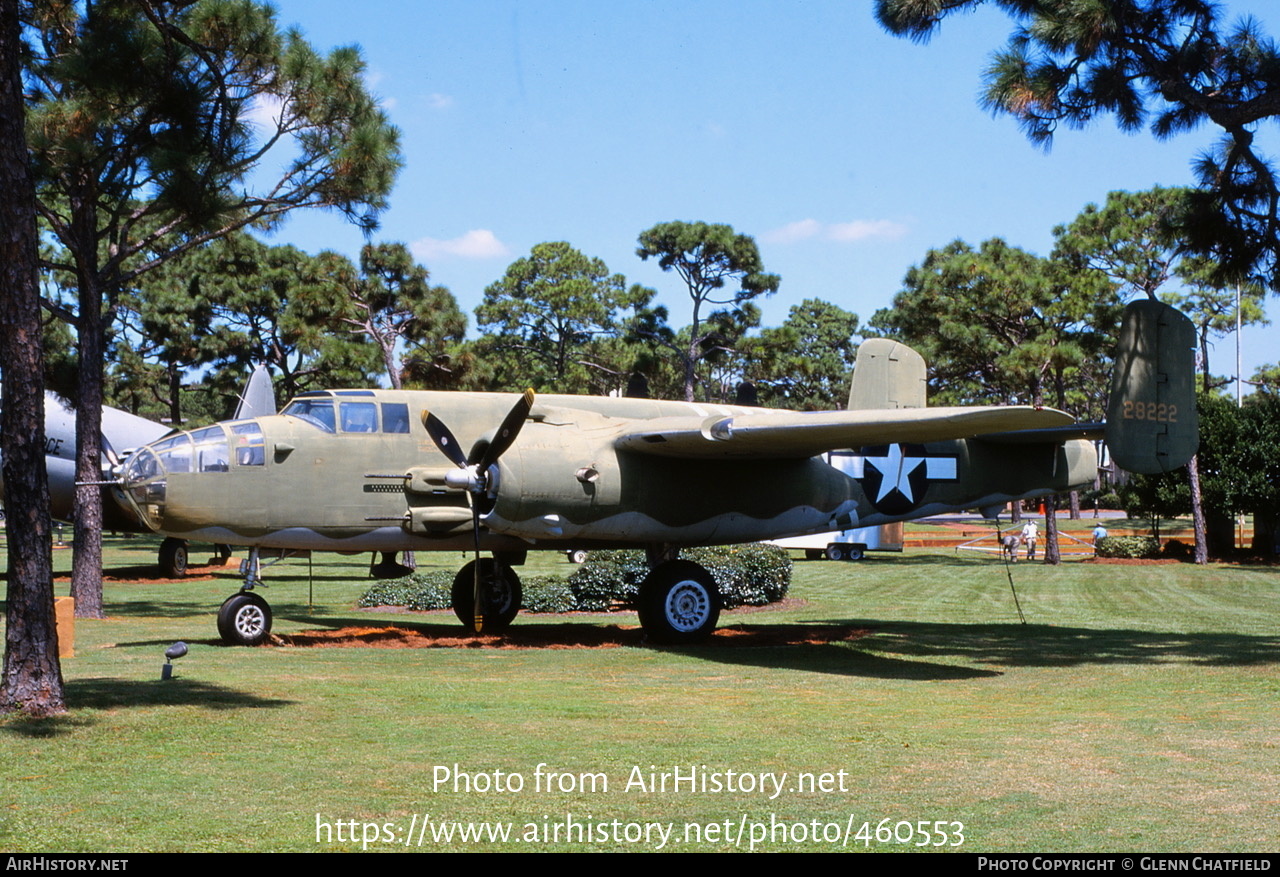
(145, 473)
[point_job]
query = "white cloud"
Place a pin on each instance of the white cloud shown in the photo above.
(479, 243)
(792, 232)
(842, 232)
(860, 229)
(438, 101)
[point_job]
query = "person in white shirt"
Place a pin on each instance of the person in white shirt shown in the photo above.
(1029, 534)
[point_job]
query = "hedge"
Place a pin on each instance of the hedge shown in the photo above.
(1144, 547)
(746, 575)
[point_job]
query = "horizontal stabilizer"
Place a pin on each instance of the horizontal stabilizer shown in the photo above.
(784, 435)
(1089, 431)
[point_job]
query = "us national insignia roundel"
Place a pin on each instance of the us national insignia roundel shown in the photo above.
(895, 477)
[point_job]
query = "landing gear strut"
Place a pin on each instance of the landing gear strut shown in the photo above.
(245, 618)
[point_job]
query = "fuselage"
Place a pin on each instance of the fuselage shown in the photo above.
(356, 470)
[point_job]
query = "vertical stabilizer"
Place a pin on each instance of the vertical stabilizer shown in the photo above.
(887, 374)
(259, 399)
(1152, 425)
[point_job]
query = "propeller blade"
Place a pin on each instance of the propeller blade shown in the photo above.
(444, 439)
(506, 434)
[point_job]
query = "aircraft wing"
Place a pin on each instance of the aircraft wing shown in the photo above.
(774, 435)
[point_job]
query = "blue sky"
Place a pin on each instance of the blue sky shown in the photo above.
(846, 153)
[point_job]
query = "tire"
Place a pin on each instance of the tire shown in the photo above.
(679, 603)
(814, 554)
(173, 558)
(835, 552)
(856, 552)
(244, 620)
(577, 555)
(500, 595)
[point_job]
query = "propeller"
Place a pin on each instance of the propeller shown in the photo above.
(476, 478)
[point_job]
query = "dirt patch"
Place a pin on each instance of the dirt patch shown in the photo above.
(568, 636)
(1133, 561)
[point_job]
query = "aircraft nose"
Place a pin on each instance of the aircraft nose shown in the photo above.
(143, 482)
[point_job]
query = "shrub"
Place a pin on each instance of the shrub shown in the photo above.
(608, 580)
(548, 594)
(1145, 547)
(746, 575)
(421, 591)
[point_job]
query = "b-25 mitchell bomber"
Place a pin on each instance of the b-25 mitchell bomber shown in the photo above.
(388, 470)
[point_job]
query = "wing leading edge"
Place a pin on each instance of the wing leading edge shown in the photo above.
(783, 435)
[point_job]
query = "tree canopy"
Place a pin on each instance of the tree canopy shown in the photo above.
(1164, 65)
(548, 309)
(718, 267)
(157, 125)
(1000, 323)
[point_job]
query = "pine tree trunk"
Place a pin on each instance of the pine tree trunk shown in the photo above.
(1052, 554)
(1075, 505)
(86, 565)
(1197, 511)
(32, 677)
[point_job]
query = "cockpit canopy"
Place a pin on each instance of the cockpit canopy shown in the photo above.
(212, 449)
(349, 415)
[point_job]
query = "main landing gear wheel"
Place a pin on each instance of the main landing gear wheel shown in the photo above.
(500, 595)
(679, 603)
(173, 558)
(577, 555)
(244, 620)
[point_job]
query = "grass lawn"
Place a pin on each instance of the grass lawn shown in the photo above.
(1136, 710)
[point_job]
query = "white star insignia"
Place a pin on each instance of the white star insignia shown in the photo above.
(896, 471)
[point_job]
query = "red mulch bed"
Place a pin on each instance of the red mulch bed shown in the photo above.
(558, 636)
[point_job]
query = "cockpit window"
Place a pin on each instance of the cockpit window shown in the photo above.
(211, 450)
(317, 412)
(359, 417)
(172, 455)
(248, 446)
(395, 417)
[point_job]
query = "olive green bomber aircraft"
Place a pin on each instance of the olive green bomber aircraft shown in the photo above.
(391, 470)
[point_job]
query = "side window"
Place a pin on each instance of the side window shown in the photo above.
(210, 450)
(395, 417)
(359, 417)
(316, 412)
(248, 446)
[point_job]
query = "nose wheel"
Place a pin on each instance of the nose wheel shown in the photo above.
(244, 620)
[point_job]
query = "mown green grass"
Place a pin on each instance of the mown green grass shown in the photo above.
(1135, 710)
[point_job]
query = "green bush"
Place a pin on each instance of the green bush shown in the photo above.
(746, 575)
(608, 580)
(1144, 547)
(547, 594)
(421, 591)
